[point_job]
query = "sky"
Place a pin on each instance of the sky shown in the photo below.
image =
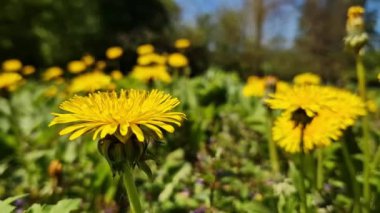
(284, 26)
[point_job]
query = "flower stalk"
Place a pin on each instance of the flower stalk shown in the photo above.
(302, 183)
(131, 189)
(320, 172)
(351, 170)
(366, 146)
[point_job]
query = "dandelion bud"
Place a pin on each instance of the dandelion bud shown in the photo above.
(356, 36)
(119, 153)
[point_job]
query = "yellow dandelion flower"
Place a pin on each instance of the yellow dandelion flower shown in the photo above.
(88, 59)
(151, 58)
(182, 43)
(132, 112)
(114, 52)
(52, 73)
(282, 86)
(8, 80)
(28, 70)
(157, 72)
(313, 116)
(307, 79)
(320, 132)
(177, 60)
(76, 66)
(89, 82)
(355, 11)
(145, 49)
(12, 65)
(255, 87)
(117, 75)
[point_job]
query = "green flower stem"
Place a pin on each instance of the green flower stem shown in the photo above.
(130, 186)
(320, 175)
(301, 161)
(366, 146)
(351, 170)
(273, 156)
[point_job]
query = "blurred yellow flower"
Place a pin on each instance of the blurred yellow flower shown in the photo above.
(307, 78)
(52, 73)
(255, 87)
(9, 80)
(28, 70)
(12, 65)
(76, 66)
(157, 72)
(114, 52)
(151, 58)
(89, 82)
(355, 11)
(132, 112)
(177, 60)
(145, 49)
(261, 86)
(116, 74)
(88, 59)
(313, 116)
(182, 43)
(282, 86)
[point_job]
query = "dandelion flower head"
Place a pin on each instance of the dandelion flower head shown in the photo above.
(151, 58)
(177, 60)
(88, 59)
(89, 82)
(313, 116)
(12, 65)
(28, 70)
(114, 52)
(148, 73)
(52, 73)
(355, 11)
(255, 86)
(182, 43)
(307, 79)
(116, 75)
(145, 49)
(131, 112)
(76, 66)
(8, 80)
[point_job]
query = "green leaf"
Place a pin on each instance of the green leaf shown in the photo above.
(36, 208)
(143, 166)
(66, 205)
(11, 199)
(5, 207)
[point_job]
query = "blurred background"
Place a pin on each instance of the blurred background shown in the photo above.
(280, 37)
